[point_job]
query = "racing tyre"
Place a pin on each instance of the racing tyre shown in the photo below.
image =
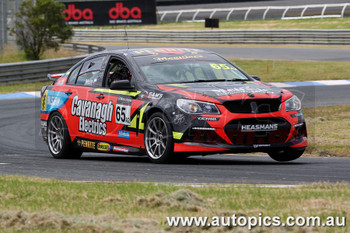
(286, 155)
(158, 139)
(58, 139)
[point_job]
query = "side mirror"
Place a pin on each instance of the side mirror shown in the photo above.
(121, 85)
(257, 78)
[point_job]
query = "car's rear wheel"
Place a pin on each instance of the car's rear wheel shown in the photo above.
(58, 139)
(286, 154)
(158, 139)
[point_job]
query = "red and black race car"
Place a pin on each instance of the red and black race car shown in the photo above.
(168, 103)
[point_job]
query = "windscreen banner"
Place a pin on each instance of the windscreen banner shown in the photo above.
(101, 13)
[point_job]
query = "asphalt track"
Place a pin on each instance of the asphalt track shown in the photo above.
(23, 152)
(273, 53)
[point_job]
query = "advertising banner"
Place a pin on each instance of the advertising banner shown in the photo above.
(100, 13)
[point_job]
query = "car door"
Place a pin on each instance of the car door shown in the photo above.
(123, 126)
(85, 77)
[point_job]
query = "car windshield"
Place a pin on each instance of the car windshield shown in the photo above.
(188, 69)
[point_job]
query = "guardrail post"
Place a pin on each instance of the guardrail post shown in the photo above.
(212, 14)
(285, 12)
(246, 14)
(264, 16)
(323, 10)
(89, 49)
(343, 10)
(229, 14)
(178, 16)
(162, 17)
(195, 14)
(302, 13)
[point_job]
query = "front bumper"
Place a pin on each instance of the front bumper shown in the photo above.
(227, 133)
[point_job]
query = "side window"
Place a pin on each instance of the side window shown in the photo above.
(73, 75)
(116, 70)
(91, 72)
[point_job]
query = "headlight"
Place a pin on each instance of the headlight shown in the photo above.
(197, 107)
(293, 104)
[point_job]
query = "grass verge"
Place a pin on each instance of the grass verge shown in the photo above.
(20, 87)
(45, 205)
(10, 54)
(328, 130)
(268, 70)
(292, 71)
(326, 23)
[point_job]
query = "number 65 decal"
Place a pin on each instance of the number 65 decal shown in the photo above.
(122, 114)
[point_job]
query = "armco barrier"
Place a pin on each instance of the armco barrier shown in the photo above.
(259, 12)
(38, 70)
(34, 70)
(297, 36)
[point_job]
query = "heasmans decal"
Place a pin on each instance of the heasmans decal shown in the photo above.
(92, 115)
(259, 127)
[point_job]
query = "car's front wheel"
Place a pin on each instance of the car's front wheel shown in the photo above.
(286, 154)
(58, 139)
(158, 139)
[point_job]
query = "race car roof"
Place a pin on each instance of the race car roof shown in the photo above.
(165, 51)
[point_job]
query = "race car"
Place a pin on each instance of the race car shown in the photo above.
(168, 103)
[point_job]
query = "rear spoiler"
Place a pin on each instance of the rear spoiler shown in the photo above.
(54, 77)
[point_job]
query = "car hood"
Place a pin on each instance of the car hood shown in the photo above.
(222, 91)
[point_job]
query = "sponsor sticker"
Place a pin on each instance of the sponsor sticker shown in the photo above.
(123, 100)
(243, 89)
(177, 58)
(87, 144)
(123, 134)
(259, 127)
(179, 119)
(208, 118)
(53, 100)
(151, 51)
(43, 101)
(120, 149)
(43, 123)
(151, 95)
(222, 67)
(122, 114)
(298, 114)
(102, 146)
(92, 115)
(261, 145)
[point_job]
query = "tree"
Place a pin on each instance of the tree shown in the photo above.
(40, 26)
